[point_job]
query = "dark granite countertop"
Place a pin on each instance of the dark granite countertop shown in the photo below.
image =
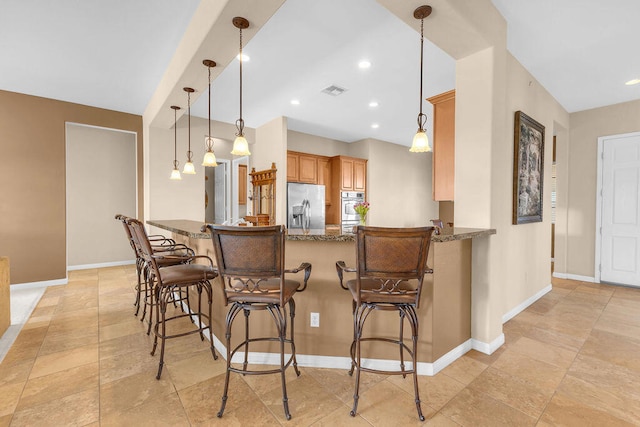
(192, 228)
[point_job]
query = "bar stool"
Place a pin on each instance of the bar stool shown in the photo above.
(160, 244)
(391, 265)
(171, 279)
(250, 262)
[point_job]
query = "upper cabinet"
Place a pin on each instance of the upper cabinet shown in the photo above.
(444, 111)
(350, 173)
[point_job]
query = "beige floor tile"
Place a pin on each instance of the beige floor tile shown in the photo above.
(340, 383)
(616, 379)
(165, 411)
(17, 372)
(602, 399)
(9, 397)
(132, 391)
(439, 420)
(5, 421)
(64, 360)
(308, 400)
(77, 409)
(563, 411)
(387, 404)
(618, 324)
(540, 374)
(126, 364)
(487, 359)
(556, 338)
(512, 390)
(128, 326)
(202, 403)
(542, 306)
(71, 318)
(478, 410)
(200, 367)
(617, 349)
(19, 353)
(58, 385)
(340, 417)
(435, 391)
(56, 342)
(544, 352)
(139, 344)
(464, 370)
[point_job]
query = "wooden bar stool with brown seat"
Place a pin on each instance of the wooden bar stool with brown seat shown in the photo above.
(173, 279)
(250, 261)
(390, 270)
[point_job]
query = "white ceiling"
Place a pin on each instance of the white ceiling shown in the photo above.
(112, 54)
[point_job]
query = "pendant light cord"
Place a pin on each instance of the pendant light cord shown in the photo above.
(421, 117)
(240, 122)
(189, 153)
(209, 106)
(175, 138)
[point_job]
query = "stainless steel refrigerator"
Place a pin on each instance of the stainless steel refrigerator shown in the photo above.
(305, 206)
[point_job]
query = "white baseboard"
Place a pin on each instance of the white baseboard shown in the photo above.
(43, 284)
(340, 362)
(526, 303)
(100, 265)
(588, 279)
(488, 348)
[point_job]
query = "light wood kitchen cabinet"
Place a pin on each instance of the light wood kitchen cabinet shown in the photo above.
(444, 110)
(242, 184)
(324, 177)
(292, 166)
(302, 167)
(351, 173)
(308, 169)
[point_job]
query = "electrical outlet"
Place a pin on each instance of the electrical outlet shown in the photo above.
(315, 320)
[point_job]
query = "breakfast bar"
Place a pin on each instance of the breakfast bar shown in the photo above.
(444, 312)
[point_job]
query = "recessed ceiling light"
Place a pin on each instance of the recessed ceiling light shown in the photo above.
(295, 102)
(373, 104)
(364, 64)
(633, 82)
(245, 57)
(375, 126)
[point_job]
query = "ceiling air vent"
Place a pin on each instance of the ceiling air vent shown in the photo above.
(334, 90)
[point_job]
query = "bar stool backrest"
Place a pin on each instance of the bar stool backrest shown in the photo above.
(143, 246)
(392, 256)
(248, 257)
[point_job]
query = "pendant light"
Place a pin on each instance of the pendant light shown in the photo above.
(420, 140)
(240, 145)
(188, 167)
(209, 158)
(175, 173)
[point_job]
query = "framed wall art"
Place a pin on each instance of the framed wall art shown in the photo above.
(528, 169)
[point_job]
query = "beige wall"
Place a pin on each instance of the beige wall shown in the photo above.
(32, 204)
(398, 184)
(526, 265)
(586, 127)
(184, 199)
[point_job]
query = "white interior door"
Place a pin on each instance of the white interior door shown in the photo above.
(620, 235)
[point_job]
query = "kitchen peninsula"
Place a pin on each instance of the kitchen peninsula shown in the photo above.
(444, 312)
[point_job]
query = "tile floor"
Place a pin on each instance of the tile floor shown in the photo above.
(82, 358)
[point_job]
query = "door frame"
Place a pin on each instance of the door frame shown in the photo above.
(599, 177)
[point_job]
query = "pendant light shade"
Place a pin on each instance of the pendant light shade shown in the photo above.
(189, 169)
(209, 159)
(240, 145)
(175, 173)
(420, 140)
